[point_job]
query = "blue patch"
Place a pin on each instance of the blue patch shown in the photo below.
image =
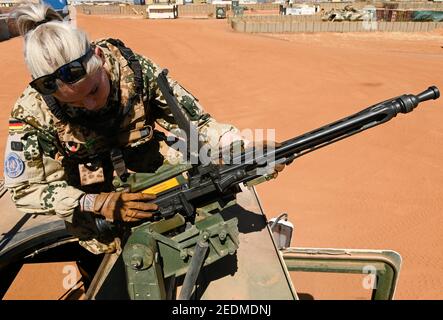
(14, 166)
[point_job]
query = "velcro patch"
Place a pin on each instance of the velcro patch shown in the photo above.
(16, 146)
(14, 166)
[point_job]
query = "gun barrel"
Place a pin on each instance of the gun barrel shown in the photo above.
(365, 119)
(343, 128)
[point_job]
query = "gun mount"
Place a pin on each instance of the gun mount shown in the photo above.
(201, 192)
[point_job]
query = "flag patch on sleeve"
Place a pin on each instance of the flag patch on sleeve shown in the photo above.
(15, 125)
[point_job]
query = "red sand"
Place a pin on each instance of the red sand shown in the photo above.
(378, 190)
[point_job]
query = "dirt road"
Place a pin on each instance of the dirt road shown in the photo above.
(381, 189)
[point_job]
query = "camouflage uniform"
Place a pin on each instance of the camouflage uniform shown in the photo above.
(48, 160)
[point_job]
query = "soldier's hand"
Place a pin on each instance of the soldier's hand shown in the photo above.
(264, 144)
(279, 167)
(122, 206)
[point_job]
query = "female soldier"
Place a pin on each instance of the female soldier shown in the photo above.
(89, 111)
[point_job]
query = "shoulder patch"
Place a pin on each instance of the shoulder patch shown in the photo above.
(15, 125)
(14, 166)
(16, 146)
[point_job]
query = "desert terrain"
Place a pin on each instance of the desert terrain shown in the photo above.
(381, 189)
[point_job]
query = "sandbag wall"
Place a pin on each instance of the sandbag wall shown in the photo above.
(294, 25)
(196, 10)
(409, 15)
(414, 5)
(112, 9)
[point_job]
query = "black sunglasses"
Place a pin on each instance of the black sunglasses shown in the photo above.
(68, 73)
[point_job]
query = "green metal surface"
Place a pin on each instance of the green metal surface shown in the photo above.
(143, 271)
(386, 264)
(154, 252)
(232, 277)
(222, 237)
(139, 181)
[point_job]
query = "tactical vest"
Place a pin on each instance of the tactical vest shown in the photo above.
(92, 150)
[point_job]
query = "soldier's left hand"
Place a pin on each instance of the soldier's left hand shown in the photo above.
(264, 144)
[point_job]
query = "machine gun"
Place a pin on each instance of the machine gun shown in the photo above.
(190, 232)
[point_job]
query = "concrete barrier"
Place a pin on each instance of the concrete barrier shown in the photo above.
(209, 9)
(251, 26)
(414, 5)
(196, 10)
(189, 10)
(127, 10)
(324, 27)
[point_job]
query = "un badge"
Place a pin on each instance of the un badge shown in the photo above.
(14, 166)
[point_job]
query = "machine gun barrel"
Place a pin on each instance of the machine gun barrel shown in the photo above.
(343, 128)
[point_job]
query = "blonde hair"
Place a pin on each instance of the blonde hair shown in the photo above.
(50, 42)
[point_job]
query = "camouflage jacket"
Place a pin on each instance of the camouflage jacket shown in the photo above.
(36, 173)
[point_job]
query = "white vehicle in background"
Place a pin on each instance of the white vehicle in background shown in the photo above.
(298, 10)
(162, 11)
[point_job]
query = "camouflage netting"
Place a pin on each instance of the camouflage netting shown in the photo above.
(435, 16)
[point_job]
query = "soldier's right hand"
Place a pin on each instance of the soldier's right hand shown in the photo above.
(122, 206)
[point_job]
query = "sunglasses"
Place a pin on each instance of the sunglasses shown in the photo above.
(68, 73)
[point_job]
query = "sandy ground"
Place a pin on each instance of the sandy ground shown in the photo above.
(381, 189)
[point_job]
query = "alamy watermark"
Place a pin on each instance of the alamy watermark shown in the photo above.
(245, 147)
(71, 278)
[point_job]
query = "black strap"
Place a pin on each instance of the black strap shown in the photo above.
(118, 162)
(182, 119)
(134, 64)
(55, 108)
